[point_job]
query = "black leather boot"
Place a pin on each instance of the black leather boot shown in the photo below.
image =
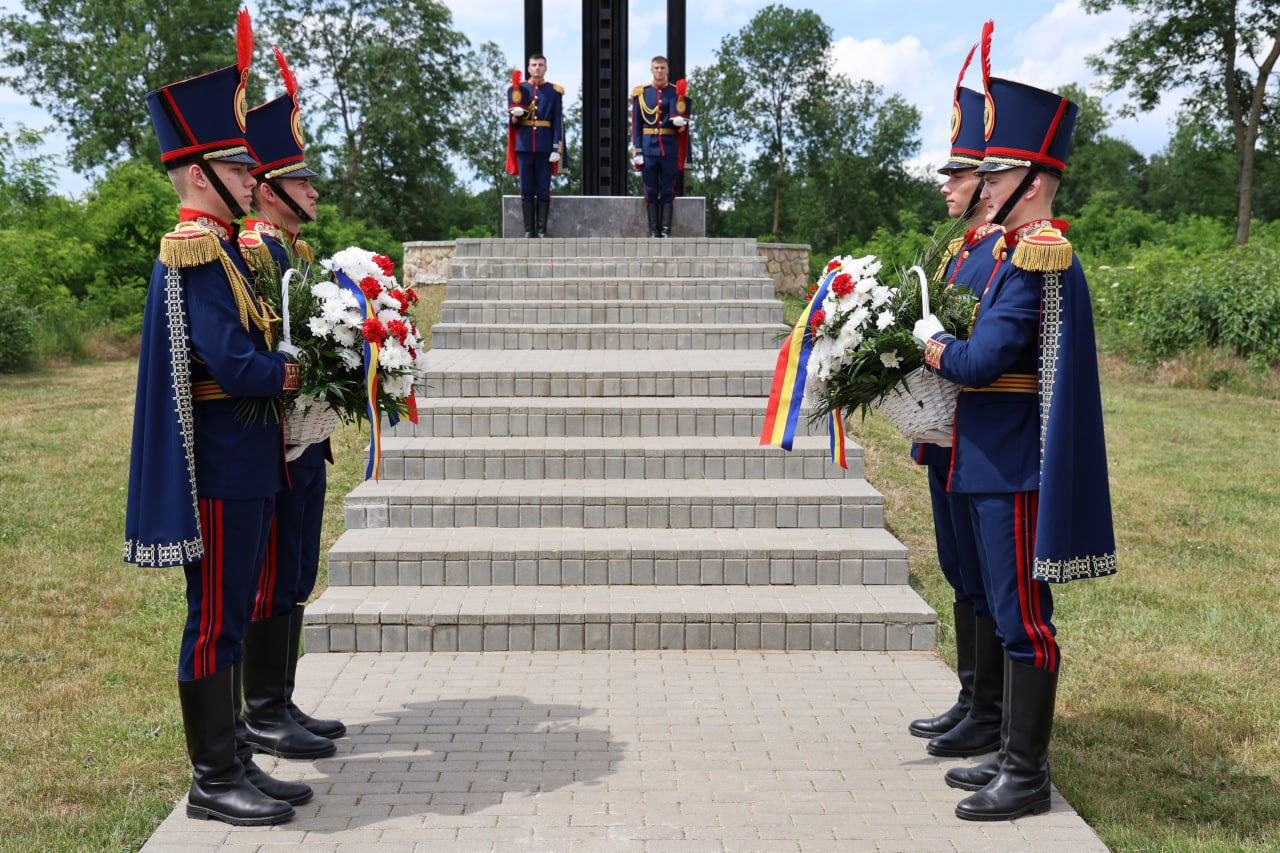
(543, 211)
(294, 793)
(977, 778)
(530, 224)
(979, 731)
(331, 729)
(948, 719)
(667, 210)
(269, 727)
(651, 211)
(219, 789)
(1022, 784)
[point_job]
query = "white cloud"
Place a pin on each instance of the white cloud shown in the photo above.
(902, 66)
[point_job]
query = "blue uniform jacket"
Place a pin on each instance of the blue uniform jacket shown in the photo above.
(652, 110)
(541, 128)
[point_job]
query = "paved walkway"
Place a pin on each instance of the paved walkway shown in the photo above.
(650, 751)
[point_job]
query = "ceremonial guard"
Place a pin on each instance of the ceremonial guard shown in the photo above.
(284, 200)
(535, 141)
(208, 457)
(1029, 453)
(660, 116)
(972, 725)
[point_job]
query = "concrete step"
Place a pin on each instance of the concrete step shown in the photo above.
(611, 311)
(607, 247)
(608, 373)
(623, 503)
(630, 458)
(533, 556)
(591, 417)
(592, 336)
(474, 619)
(607, 268)
(616, 288)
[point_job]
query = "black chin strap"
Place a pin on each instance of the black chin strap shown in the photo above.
(232, 205)
(974, 200)
(288, 200)
(1013, 199)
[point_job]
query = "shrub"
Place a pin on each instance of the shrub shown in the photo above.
(17, 332)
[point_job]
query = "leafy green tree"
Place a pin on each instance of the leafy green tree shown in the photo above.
(380, 78)
(776, 64)
(90, 63)
(1223, 51)
(1099, 163)
(479, 107)
(716, 163)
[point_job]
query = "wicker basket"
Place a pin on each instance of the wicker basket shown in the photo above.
(923, 408)
(306, 424)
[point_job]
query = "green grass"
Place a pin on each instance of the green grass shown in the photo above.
(1168, 733)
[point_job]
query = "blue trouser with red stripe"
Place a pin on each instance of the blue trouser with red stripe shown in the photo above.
(1005, 527)
(957, 549)
(292, 558)
(659, 174)
(221, 587)
(535, 175)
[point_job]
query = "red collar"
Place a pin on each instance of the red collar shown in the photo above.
(266, 226)
(207, 221)
(975, 235)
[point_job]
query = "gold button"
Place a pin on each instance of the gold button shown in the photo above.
(966, 254)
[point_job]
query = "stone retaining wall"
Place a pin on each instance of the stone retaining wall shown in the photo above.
(427, 262)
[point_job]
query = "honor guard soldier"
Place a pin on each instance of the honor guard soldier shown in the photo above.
(535, 141)
(208, 457)
(972, 725)
(284, 200)
(660, 116)
(1029, 452)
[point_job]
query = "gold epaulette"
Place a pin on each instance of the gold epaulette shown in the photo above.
(1045, 251)
(251, 241)
(188, 245)
(637, 91)
(304, 251)
(559, 89)
(953, 249)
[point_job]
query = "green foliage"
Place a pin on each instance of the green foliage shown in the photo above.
(331, 233)
(17, 331)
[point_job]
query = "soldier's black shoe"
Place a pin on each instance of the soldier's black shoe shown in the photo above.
(950, 718)
(542, 211)
(979, 731)
(651, 211)
(219, 787)
(530, 224)
(665, 227)
(1021, 786)
(977, 778)
(269, 727)
(332, 729)
(294, 793)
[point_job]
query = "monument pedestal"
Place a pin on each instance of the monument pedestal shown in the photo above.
(606, 216)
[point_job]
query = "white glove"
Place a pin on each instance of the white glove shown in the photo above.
(926, 327)
(289, 349)
(555, 157)
(638, 159)
(679, 121)
(517, 112)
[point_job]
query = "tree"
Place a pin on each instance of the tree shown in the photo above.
(771, 68)
(1099, 163)
(1204, 45)
(90, 63)
(716, 165)
(379, 80)
(479, 107)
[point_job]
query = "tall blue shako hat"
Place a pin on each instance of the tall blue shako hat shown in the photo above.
(203, 118)
(274, 130)
(968, 143)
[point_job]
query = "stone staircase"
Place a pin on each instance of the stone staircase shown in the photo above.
(586, 474)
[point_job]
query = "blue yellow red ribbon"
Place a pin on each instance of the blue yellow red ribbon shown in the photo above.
(370, 379)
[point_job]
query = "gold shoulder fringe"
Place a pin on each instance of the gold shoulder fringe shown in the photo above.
(303, 248)
(189, 248)
(637, 91)
(1047, 251)
(251, 241)
(953, 249)
(559, 89)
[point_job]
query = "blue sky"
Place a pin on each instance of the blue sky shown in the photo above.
(916, 50)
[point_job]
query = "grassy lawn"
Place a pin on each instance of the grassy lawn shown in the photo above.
(1168, 735)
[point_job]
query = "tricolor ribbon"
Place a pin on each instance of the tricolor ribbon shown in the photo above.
(786, 395)
(370, 379)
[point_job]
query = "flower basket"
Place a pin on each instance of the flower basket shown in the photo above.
(306, 424)
(923, 407)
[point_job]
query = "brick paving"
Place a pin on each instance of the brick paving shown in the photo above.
(652, 752)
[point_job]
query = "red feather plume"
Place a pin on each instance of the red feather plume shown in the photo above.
(286, 73)
(987, 29)
(964, 68)
(682, 87)
(244, 41)
(515, 78)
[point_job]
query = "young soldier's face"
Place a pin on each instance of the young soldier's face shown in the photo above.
(236, 178)
(537, 69)
(301, 191)
(996, 189)
(958, 190)
(660, 72)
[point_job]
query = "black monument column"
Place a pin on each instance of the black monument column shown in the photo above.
(676, 56)
(606, 105)
(532, 31)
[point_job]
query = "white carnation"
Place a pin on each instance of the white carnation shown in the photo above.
(319, 327)
(884, 320)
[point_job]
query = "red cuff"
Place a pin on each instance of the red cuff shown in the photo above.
(933, 352)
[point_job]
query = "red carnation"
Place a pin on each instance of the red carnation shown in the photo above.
(374, 331)
(832, 265)
(413, 297)
(818, 317)
(399, 329)
(843, 284)
(385, 264)
(371, 288)
(400, 298)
